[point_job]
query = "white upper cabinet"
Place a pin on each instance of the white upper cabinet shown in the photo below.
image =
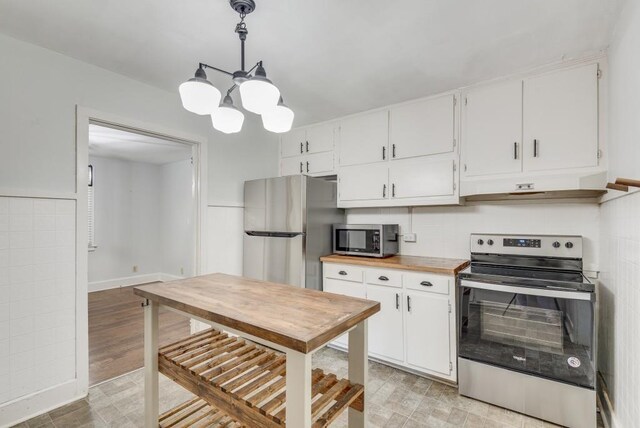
(561, 119)
(293, 143)
(363, 183)
(291, 166)
(364, 139)
(422, 178)
(492, 129)
(426, 127)
(319, 139)
(318, 164)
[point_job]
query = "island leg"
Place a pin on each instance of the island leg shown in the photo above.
(358, 368)
(150, 364)
(298, 392)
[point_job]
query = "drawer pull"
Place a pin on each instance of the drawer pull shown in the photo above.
(342, 272)
(383, 278)
(426, 284)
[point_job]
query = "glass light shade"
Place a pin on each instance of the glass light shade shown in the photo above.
(199, 96)
(278, 119)
(258, 93)
(227, 118)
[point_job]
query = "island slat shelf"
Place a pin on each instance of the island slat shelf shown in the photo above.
(240, 381)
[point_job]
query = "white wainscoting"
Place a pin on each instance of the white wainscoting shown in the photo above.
(37, 305)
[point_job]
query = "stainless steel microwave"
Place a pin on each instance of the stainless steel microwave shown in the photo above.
(370, 240)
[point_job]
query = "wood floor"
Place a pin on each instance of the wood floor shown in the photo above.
(116, 341)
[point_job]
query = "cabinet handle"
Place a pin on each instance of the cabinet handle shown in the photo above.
(393, 190)
(397, 301)
(515, 150)
(342, 272)
(426, 284)
(301, 168)
(384, 190)
(393, 150)
(383, 278)
(384, 153)
(301, 149)
(307, 166)
(535, 148)
(307, 146)
(408, 303)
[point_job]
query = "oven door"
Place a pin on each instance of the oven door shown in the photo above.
(539, 331)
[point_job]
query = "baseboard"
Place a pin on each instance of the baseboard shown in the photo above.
(32, 405)
(124, 282)
(164, 277)
(606, 408)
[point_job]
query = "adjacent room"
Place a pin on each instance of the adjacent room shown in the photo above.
(250, 213)
(141, 229)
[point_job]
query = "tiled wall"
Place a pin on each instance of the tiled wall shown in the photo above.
(37, 294)
(444, 231)
(619, 297)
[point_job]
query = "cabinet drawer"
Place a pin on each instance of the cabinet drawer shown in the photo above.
(426, 282)
(342, 272)
(383, 277)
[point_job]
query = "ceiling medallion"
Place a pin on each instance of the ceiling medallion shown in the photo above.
(258, 94)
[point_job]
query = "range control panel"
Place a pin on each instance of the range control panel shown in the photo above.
(528, 245)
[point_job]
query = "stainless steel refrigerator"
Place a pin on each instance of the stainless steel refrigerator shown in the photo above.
(287, 228)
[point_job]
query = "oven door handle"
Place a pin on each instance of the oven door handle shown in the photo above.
(531, 291)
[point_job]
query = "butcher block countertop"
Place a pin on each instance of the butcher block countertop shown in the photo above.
(414, 263)
(293, 317)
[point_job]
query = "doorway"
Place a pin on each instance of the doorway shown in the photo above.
(141, 228)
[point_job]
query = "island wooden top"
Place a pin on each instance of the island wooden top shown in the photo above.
(420, 264)
(293, 317)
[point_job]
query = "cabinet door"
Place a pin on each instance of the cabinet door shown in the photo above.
(345, 288)
(422, 128)
(292, 166)
(561, 120)
(319, 139)
(364, 139)
(421, 178)
(363, 182)
(293, 143)
(385, 327)
(427, 332)
(492, 129)
(319, 164)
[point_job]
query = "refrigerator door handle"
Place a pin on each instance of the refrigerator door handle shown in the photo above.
(274, 234)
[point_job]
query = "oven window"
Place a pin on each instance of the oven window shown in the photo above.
(361, 241)
(545, 336)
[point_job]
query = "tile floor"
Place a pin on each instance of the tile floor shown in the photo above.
(396, 399)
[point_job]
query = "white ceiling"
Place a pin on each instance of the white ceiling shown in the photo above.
(114, 143)
(329, 58)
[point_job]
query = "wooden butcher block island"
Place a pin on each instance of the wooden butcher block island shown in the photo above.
(253, 367)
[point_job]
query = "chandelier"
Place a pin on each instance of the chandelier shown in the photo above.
(258, 94)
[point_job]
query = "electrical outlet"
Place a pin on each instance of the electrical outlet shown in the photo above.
(135, 268)
(410, 237)
(181, 271)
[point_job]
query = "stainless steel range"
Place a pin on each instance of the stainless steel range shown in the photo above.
(527, 327)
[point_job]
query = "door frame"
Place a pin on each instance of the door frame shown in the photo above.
(84, 117)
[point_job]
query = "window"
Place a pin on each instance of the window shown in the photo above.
(91, 212)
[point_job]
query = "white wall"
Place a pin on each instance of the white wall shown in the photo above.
(444, 231)
(127, 221)
(177, 224)
(40, 90)
(619, 338)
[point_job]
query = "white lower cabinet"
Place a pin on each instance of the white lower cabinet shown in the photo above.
(345, 288)
(428, 326)
(415, 327)
(385, 328)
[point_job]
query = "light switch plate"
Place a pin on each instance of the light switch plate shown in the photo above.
(410, 237)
